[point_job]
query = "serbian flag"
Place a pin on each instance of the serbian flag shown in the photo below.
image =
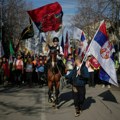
(48, 17)
(83, 44)
(101, 48)
(103, 75)
(78, 34)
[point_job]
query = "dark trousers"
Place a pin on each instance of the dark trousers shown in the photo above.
(78, 96)
(29, 78)
(18, 77)
(40, 81)
(91, 79)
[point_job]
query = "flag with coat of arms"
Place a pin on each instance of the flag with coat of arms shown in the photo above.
(102, 49)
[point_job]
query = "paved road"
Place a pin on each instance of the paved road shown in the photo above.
(32, 104)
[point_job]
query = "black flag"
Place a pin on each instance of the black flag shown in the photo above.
(28, 32)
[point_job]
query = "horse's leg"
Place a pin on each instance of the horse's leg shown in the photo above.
(50, 91)
(57, 85)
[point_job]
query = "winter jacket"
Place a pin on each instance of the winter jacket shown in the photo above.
(78, 80)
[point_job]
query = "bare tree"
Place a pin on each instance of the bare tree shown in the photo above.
(92, 11)
(14, 18)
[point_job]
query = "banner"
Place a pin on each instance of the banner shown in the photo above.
(101, 48)
(48, 17)
(28, 32)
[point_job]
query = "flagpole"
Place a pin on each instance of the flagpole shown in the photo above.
(40, 41)
(91, 42)
(90, 46)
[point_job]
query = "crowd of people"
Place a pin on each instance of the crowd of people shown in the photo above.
(30, 69)
(26, 69)
(22, 69)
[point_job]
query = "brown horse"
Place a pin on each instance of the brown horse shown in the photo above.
(54, 74)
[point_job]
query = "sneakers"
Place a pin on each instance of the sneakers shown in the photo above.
(103, 86)
(109, 86)
(77, 113)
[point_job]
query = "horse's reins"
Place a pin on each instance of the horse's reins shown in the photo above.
(58, 69)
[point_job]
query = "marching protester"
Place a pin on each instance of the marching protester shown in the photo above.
(29, 71)
(6, 71)
(91, 81)
(19, 69)
(40, 70)
(1, 71)
(10, 61)
(35, 76)
(77, 77)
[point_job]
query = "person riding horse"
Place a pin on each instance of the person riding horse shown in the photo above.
(55, 70)
(59, 52)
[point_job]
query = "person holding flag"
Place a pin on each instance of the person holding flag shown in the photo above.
(77, 78)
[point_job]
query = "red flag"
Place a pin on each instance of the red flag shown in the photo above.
(66, 46)
(94, 63)
(48, 17)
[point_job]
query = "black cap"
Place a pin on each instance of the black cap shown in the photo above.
(55, 39)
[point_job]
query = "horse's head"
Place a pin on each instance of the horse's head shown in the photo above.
(53, 55)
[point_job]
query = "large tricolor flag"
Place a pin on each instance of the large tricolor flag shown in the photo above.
(102, 49)
(48, 17)
(103, 75)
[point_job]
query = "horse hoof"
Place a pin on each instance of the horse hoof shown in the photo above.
(49, 100)
(54, 106)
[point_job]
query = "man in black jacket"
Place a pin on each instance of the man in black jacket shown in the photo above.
(77, 78)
